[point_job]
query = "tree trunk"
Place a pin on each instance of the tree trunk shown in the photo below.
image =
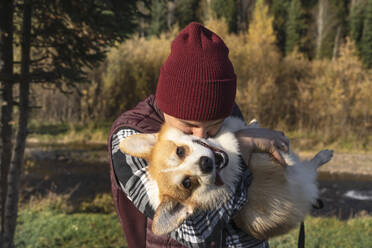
(245, 10)
(17, 162)
(337, 43)
(6, 51)
(171, 14)
(320, 27)
(326, 22)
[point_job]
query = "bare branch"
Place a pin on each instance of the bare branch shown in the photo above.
(36, 77)
(8, 77)
(39, 59)
(59, 87)
(78, 91)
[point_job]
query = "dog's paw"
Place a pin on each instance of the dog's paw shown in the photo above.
(323, 157)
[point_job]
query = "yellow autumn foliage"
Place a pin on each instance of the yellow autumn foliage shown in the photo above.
(132, 71)
(289, 93)
(331, 97)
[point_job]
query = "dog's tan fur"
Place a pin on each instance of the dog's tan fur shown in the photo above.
(278, 199)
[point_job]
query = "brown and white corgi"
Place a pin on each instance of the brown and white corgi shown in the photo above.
(188, 173)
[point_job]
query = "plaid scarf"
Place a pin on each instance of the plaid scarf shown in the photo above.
(198, 230)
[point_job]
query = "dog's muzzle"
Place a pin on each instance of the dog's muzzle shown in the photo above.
(220, 156)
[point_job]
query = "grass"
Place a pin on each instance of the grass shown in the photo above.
(53, 228)
(62, 133)
(50, 222)
(330, 233)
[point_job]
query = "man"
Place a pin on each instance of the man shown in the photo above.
(195, 93)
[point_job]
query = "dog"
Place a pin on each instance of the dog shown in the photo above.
(189, 173)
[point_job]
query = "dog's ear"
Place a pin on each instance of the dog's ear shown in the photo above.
(138, 145)
(168, 216)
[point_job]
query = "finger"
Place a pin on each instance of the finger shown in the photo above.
(263, 145)
(279, 158)
(283, 138)
(282, 146)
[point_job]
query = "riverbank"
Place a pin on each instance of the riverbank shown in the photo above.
(81, 171)
(355, 166)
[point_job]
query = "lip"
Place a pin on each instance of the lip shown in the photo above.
(221, 159)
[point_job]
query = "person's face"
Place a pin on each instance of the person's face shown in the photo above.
(202, 129)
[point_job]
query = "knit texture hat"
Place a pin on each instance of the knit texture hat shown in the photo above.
(197, 81)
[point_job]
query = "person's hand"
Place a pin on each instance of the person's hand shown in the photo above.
(262, 140)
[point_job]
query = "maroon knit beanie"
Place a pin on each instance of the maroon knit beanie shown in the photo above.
(197, 81)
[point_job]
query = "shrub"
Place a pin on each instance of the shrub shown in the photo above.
(336, 96)
(132, 72)
(329, 97)
(102, 203)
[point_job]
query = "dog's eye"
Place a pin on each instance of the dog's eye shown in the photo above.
(186, 182)
(181, 152)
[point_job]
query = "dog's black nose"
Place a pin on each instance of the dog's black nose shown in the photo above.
(206, 164)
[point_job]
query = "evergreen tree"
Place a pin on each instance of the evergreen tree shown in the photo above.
(309, 4)
(158, 24)
(280, 11)
(7, 102)
(342, 29)
(57, 42)
(343, 10)
(328, 18)
(186, 12)
(296, 27)
(79, 33)
(366, 39)
(166, 13)
(356, 22)
(227, 10)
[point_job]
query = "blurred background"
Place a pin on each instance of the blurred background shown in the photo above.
(69, 68)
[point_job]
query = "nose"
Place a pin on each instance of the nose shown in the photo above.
(206, 164)
(200, 132)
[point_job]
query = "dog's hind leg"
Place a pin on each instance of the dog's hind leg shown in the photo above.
(322, 157)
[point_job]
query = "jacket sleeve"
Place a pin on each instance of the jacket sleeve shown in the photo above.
(130, 173)
(199, 230)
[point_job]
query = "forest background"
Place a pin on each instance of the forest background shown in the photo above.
(302, 67)
(69, 68)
